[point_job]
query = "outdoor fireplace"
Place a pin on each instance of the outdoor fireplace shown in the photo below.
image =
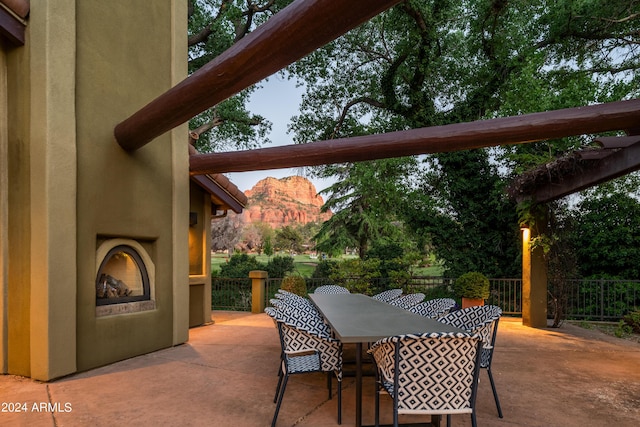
(124, 278)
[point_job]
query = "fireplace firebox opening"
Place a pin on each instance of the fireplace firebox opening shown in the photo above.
(124, 276)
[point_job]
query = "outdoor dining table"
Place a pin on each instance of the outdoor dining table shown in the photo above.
(359, 319)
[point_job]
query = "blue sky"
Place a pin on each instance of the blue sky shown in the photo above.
(278, 100)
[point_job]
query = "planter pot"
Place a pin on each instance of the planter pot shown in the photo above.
(471, 302)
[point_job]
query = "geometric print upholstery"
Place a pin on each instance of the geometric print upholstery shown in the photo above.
(433, 308)
(482, 320)
(331, 289)
(303, 351)
(431, 373)
(407, 301)
(302, 314)
(479, 319)
(388, 295)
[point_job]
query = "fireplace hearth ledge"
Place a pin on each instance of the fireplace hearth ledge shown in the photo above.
(125, 308)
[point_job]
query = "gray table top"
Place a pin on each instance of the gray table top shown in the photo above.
(357, 318)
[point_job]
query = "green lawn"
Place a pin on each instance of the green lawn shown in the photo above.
(305, 265)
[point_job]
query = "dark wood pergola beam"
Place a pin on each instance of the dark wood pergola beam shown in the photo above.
(293, 32)
(622, 162)
(621, 115)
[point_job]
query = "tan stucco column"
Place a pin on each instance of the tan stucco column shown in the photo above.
(52, 44)
(258, 290)
(534, 283)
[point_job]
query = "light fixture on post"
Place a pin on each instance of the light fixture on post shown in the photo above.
(193, 218)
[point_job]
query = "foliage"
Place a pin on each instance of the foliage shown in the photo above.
(364, 199)
(562, 262)
(633, 320)
(214, 26)
(463, 213)
(295, 284)
(324, 268)
(289, 239)
(226, 233)
(268, 249)
(279, 266)
(472, 285)
(240, 265)
(432, 63)
(356, 274)
(607, 235)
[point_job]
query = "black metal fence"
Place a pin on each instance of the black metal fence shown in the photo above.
(584, 299)
(601, 299)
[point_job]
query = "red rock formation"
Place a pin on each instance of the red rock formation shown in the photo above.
(287, 201)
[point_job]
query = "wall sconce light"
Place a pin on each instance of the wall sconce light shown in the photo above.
(193, 218)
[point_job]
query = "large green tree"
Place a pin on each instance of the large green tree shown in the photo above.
(214, 26)
(432, 62)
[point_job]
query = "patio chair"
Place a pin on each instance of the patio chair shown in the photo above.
(432, 373)
(433, 308)
(302, 314)
(482, 320)
(305, 351)
(331, 289)
(407, 301)
(388, 295)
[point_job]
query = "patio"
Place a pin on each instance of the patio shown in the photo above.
(226, 375)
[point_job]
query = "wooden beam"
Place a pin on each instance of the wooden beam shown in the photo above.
(622, 162)
(617, 141)
(293, 32)
(12, 26)
(485, 133)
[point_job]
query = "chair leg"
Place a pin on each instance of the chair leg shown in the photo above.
(339, 401)
(329, 386)
(473, 419)
(448, 420)
(280, 376)
(284, 385)
(495, 393)
(377, 401)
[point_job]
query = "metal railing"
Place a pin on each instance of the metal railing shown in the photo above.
(601, 299)
(585, 299)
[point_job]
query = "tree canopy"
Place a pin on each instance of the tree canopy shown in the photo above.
(426, 63)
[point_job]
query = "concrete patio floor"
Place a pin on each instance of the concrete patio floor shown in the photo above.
(226, 376)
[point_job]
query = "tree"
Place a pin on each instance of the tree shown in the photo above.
(288, 239)
(364, 200)
(607, 236)
(427, 63)
(240, 265)
(226, 233)
(214, 26)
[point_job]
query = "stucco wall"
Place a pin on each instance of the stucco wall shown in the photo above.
(125, 58)
(15, 230)
(67, 185)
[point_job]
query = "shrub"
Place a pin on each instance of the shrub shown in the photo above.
(294, 284)
(279, 266)
(240, 265)
(472, 285)
(633, 320)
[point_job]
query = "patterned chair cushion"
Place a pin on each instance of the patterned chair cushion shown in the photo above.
(331, 289)
(433, 308)
(481, 320)
(407, 301)
(437, 371)
(388, 295)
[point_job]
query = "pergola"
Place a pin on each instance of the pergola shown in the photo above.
(306, 25)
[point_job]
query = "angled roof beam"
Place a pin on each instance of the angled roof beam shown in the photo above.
(293, 32)
(621, 115)
(620, 163)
